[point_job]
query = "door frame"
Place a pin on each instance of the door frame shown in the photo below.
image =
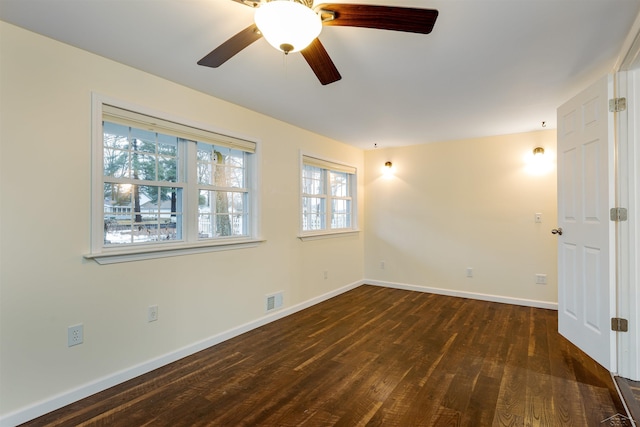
(627, 145)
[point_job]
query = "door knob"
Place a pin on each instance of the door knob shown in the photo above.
(557, 231)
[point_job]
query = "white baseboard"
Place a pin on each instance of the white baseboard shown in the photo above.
(463, 294)
(51, 404)
(58, 401)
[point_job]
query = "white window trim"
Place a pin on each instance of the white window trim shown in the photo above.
(103, 255)
(117, 256)
(328, 233)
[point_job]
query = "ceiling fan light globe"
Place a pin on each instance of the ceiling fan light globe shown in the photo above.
(288, 24)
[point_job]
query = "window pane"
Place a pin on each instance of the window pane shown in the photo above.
(139, 154)
(222, 214)
(228, 176)
(206, 163)
(116, 196)
(170, 226)
(221, 166)
(167, 145)
(167, 169)
(116, 163)
(339, 182)
(312, 180)
(340, 213)
(143, 166)
(116, 136)
(143, 140)
(115, 150)
(167, 158)
(313, 213)
(141, 214)
(118, 210)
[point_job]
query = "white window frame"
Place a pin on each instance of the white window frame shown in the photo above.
(328, 165)
(190, 242)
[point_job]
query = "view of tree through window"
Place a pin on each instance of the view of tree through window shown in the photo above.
(162, 184)
(140, 204)
(222, 194)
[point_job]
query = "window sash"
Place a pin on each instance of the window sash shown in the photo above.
(318, 208)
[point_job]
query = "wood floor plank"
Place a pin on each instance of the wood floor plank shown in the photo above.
(372, 356)
(512, 394)
(482, 402)
(631, 394)
(446, 417)
(568, 404)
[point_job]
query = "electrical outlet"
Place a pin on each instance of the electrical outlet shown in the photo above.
(541, 279)
(381, 265)
(75, 335)
(469, 272)
(326, 274)
(152, 313)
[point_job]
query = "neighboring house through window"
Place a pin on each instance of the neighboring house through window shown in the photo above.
(165, 184)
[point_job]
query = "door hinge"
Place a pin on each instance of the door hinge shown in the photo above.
(618, 214)
(617, 104)
(619, 325)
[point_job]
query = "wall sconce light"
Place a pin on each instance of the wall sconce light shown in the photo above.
(387, 170)
(537, 162)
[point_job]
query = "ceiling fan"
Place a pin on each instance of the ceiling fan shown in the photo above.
(294, 26)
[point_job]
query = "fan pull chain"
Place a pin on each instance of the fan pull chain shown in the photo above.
(285, 65)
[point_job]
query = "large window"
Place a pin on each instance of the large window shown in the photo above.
(328, 190)
(166, 184)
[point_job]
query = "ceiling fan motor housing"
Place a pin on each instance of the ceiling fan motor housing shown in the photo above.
(289, 26)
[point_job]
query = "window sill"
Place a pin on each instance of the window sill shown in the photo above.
(327, 235)
(139, 254)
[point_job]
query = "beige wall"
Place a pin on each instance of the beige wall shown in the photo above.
(460, 204)
(46, 285)
(449, 206)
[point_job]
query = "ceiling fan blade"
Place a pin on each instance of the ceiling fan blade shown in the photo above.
(405, 19)
(320, 62)
(235, 44)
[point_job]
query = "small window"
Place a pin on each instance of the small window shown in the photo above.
(328, 195)
(164, 183)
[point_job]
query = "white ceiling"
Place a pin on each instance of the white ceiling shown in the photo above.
(489, 67)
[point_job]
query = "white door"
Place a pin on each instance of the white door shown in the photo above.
(586, 253)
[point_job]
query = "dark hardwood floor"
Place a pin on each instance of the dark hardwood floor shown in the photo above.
(631, 394)
(372, 356)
